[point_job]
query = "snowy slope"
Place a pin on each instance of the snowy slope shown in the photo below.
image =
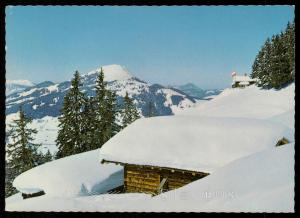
(251, 102)
(13, 86)
(287, 118)
(261, 182)
(192, 142)
(76, 175)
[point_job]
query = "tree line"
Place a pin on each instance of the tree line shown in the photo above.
(274, 65)
(86, 123)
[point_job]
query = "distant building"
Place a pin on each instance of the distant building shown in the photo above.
(241, 81)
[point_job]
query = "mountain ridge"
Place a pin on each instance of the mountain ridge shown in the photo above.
(46, 98)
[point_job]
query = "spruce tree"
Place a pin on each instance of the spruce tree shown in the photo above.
(89, 127)
(279, 67)
(10, 175)
(106, 110)
(290, 46)
(22, 153)
(274, 66)
(100, 110)
(130, 112)
(111, 125)
(70, 133)
(44, 158)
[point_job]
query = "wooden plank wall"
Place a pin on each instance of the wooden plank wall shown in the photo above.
(146, 179)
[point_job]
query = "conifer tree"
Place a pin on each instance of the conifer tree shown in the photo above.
(111, 125)
(279, 67)
(22, 152)
(10, 175)
(44, 158)
(100, 108)
(290, 46)
(89, 127)
(70, 133)
(274, 66)
(130, 112)
(106, 110)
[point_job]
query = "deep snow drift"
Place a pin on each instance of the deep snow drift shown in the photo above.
(250, 102)
(80, 174)
(261, 182)
(193, 143)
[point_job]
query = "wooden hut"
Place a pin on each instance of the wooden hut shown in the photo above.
(165, 153)
(154, 179)
(241, 81)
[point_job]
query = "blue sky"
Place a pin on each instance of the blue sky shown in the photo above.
(166, 45)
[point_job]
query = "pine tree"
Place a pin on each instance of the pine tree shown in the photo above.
(106, 110)
(100, 105)
(44, 158)
(22, 153)
(130, 112)
(274, 66)
(290, 46)
(279, 67)
(70, 133)
(10, 175)
(111, 125)
(89, 128)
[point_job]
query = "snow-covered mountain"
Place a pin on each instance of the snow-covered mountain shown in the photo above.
(13, 86)
(45, 99)
(196, 92)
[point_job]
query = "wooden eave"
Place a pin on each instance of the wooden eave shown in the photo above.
(155, 167)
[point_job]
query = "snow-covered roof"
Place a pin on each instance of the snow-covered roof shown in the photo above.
(191, 142)
(79, 174)
(243, 78)
(244, 83)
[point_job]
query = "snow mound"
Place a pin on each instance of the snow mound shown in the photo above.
(192, 142)
(250, 102)
(79, 174)
(113, 72)
(261, 182)
(286, 118)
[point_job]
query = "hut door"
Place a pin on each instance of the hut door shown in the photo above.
(163, 186)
